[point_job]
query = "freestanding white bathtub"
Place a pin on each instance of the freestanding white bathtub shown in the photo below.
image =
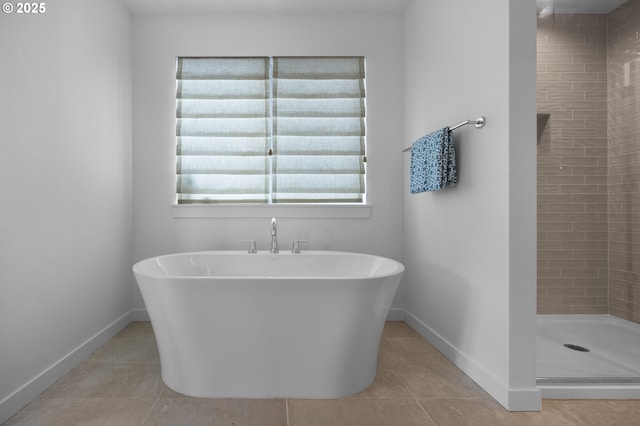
(240, 325)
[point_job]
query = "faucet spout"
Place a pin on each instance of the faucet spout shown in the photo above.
(274, 236)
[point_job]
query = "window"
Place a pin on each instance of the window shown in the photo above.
(270, 130)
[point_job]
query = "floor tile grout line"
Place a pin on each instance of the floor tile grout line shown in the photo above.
(151, 408)
(418, 402)
(286, 406)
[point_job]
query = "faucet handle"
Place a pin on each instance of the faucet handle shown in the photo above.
(252, 246)
(295, 247)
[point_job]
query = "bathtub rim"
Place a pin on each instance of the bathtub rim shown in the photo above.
(398, 269)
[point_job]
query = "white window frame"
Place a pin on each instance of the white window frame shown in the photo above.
(306, 209)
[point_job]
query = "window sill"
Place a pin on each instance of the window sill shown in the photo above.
(303, 211)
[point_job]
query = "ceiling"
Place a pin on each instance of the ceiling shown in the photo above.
(138, 7)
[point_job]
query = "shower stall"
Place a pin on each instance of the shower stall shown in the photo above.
(588, 104)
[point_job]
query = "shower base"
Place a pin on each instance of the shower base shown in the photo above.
(588, 356)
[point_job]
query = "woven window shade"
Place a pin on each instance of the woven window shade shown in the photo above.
(262, 130)
(223, 130)
(319, 129)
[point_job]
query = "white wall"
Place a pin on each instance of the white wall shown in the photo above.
(470, 250)
(157, 42)
(65, 255)
(65, 160)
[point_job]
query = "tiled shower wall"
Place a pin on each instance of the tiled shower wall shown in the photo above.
(589, 163)
(572, 164)
(624, 162)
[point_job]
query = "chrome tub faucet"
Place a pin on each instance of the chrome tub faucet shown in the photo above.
(274, 236)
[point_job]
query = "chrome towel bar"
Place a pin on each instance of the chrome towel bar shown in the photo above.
(479, 122)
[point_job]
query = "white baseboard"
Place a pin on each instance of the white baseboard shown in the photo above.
(511, 399)
(30, 390)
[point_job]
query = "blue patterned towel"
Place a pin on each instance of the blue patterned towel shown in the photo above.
(433, 162)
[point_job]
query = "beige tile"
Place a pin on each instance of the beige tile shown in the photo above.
(136, 343)
(86, 412)
(602, 309)
(387, 385)
(398, 329)
(357, 412)
(108, 380)
(137, 329)
(167, 392)
(140, 349)
(578, 139)
(403, 350)
(214, 412)
(424, 381)
(566, 291)
(483, 412)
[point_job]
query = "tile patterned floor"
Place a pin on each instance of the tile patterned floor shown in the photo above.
(120, 384)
